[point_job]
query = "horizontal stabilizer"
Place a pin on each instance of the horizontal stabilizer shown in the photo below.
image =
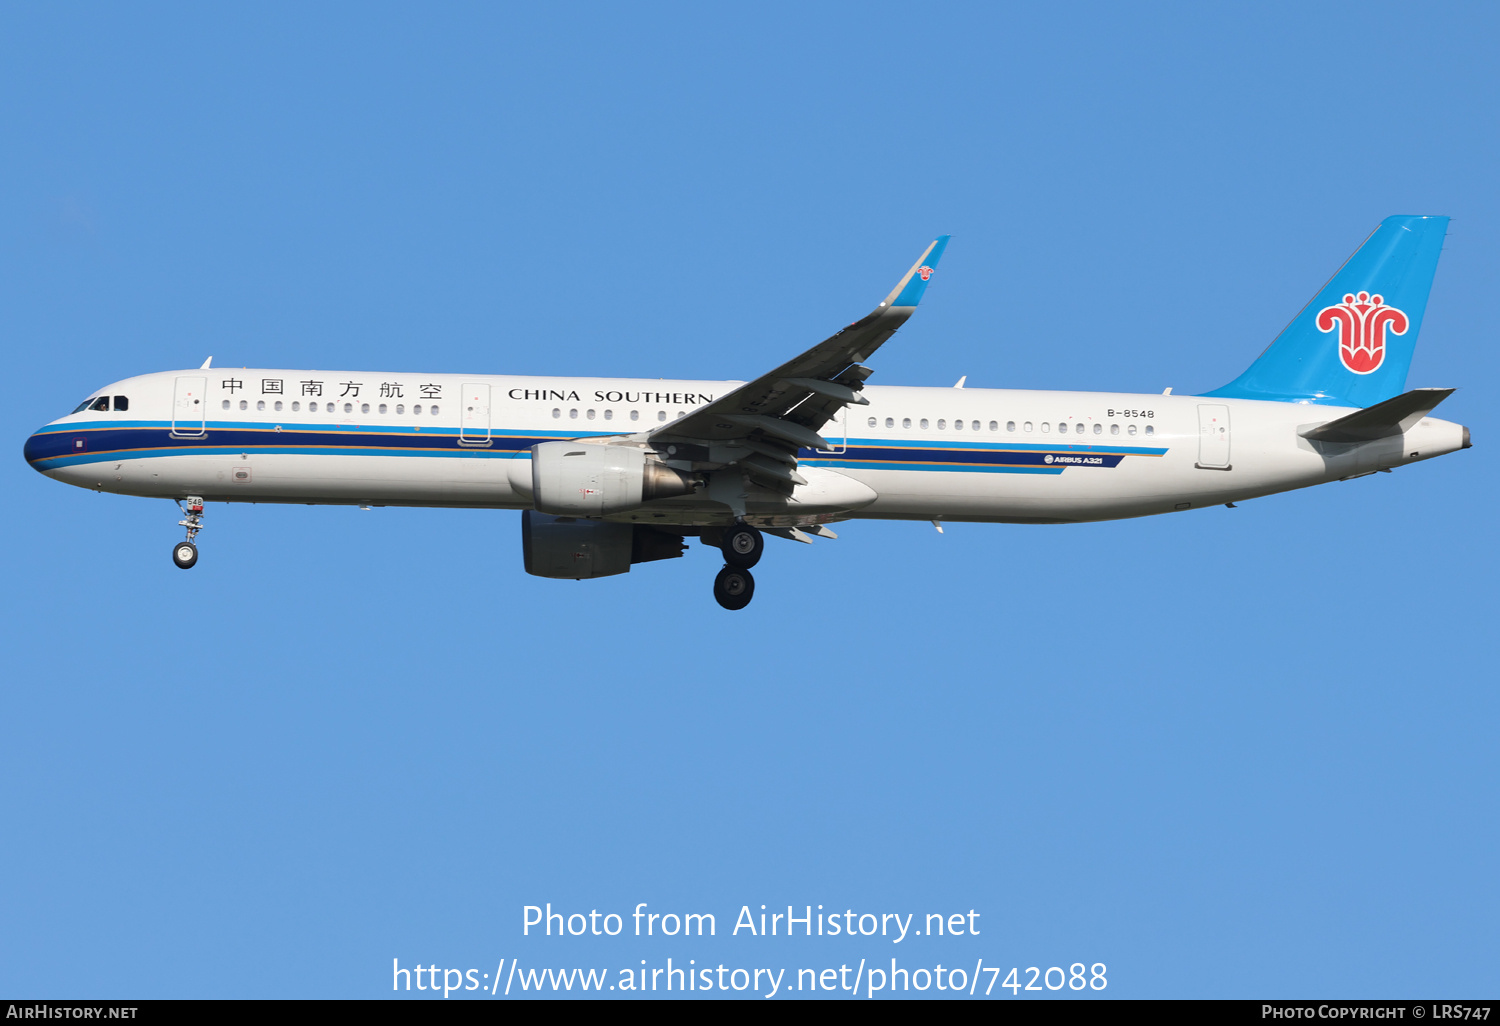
(1392, 417)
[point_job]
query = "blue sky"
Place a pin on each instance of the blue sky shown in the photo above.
(1229, 753)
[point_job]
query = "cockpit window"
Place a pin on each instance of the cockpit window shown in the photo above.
(101, 404)
(83, 405)
(121, 403)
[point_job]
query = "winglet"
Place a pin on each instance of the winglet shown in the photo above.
(908, 291)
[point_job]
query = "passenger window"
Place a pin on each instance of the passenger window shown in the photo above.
(590, 415)
(348, 407)
(924, 423)
(226, 404)
(1028, 427)
(1114, 429)
(906, 422)
(1131, 429)
(401, 408)
(296, 407)
(244, 405)
(871, 422)
(1078, 430)
(432, 410)
(958, 425)
(1046, 427)
(1010, 425)
(382, 407)
(661, 414)
(572, 414)
(609, 414)
(556, 413)
(260, 405)
(942, 425)
(975, 425)
(635, 414)
(278, 406)
(121, 404)
(1150, 430)
(416, 410)
(890, 422)
(364, 407)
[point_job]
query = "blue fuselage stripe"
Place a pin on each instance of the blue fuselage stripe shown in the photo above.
(72, 444)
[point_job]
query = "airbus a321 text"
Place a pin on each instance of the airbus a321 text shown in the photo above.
(612, 472)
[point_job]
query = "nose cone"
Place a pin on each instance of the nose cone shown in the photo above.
(42, 447)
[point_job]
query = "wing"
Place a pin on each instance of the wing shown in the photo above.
(761, 425)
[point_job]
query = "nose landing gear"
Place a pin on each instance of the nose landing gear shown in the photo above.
(185, 553)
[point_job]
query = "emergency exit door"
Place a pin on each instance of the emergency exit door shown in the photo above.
(836, 434)
(474, 425)
(190, 408)
(1213, 437)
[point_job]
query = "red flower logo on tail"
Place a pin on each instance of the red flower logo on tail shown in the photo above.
(1361, 322)
(925, 272)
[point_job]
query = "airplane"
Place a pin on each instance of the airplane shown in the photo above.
(611, 472)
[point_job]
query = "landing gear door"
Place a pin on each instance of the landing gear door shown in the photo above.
(1213, 437)
(836, 431)
(474, 427)
(190, 408)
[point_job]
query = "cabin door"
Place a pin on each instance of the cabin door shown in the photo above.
(474, 425)
(190, 408)
(1213, 437)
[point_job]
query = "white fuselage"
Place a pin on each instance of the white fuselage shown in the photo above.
(970, 454)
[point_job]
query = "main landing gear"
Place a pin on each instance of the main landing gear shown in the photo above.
(185, 553)
(742, 546)
(734, 588)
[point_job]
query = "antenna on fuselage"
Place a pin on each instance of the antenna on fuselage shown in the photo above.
(206, 363)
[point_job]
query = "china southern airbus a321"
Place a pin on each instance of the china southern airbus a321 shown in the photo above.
(612, 472)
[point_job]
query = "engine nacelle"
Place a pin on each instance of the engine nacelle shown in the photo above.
(578, 479)
(577, 550)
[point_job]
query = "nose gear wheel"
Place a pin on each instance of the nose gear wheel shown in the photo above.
(185, 553)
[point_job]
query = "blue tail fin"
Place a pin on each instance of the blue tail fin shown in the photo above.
(1352, 345)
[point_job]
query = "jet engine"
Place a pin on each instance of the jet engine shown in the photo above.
(578, 479)
(577, 550)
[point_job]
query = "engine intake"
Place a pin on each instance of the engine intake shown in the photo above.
(579, 479)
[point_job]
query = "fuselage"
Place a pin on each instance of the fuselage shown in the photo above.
(961, 454)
